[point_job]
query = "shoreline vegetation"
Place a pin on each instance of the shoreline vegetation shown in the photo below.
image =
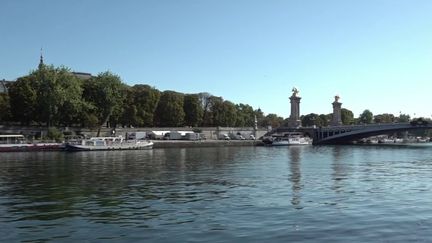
(55, 97)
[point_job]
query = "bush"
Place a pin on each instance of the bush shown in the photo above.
(55, 134)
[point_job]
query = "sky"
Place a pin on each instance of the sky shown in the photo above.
(374, 54)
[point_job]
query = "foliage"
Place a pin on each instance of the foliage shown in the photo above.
(142, 101)
(311, 119)
(5, 111)
(272, 120)
(23, 95)
(366, 117)
(229, 114)
(47, 95)
(384, 118)
(169, 112)
(403, 118)
(245, 116)
(55, 134)
(105, 93)
(347, 116)
(206, 101)
(193, 109)
(325, 119)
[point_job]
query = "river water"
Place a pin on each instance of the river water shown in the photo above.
(228, 194)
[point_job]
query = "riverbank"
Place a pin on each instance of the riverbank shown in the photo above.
(204, 143)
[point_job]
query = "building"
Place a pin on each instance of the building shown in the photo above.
(5, 83)
(4, 86)
(83, 76)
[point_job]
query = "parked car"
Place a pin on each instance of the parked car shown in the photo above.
(226, 137)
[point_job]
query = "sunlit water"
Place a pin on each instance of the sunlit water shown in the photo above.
(231, 194)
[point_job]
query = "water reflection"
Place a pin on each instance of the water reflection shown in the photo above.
(107, 186)
(295, 175)
(339, 167)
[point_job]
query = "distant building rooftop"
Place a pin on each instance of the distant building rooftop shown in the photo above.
(4, 85)
(82, 75)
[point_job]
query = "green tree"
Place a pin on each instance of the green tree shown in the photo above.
(229, 114)
(245, 115)
(206, 101)
(311, 119)
(105, 94)
(347, 116)
(47, 95)
(193, 110)
(23, 95)
(325, 119)
(169, 112)
(272, 120)
(384, 118)
(215, 111)
(366, 117)
(71, 106)
(5, 111)
(223, 113)
(403, 118)
(142, 103)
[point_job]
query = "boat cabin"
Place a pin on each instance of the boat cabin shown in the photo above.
(12, 139)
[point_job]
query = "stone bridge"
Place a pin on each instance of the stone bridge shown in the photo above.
(347, 134)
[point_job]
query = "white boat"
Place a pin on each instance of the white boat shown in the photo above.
(291, 139)
(109, 143)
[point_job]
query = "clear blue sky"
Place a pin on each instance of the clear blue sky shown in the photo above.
(376, 54)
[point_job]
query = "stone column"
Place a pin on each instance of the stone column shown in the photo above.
(294, 119)
(337, 117)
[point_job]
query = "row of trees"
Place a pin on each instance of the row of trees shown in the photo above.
(55, 97)
(347, 116)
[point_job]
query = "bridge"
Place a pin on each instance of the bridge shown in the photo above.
(349, 133)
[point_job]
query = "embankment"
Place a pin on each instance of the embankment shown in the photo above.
(203, 143)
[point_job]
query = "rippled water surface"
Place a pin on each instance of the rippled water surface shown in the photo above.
(231, 194)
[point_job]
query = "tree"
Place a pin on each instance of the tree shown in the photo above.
(104, 93)
(325, 119)
(5, 111)
(245, 116)
(384, 118)
(205, 99)
(169, 112)
(403, 118)
(347, 116)
(366, 117)
(272, 120)
(193, 110)
(215, 111)
(22, 94)
(311, 119)
(229, 114)
(47, 95)
(142, 101)
(71, 106)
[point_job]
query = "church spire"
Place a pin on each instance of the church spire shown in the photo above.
(41, 60)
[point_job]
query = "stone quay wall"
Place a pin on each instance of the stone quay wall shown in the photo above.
(210, 133)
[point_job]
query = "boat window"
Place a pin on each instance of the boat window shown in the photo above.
(99, 143)
(11, 139)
